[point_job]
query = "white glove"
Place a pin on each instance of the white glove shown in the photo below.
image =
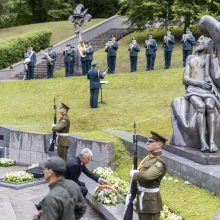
(53, 125)
(132, 172)
(127, 199)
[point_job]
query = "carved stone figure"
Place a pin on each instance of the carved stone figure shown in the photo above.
(195, 117)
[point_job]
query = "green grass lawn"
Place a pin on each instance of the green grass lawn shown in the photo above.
(143, 97)
(60, 30)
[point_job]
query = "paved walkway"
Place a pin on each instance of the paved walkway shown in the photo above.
(19, 204)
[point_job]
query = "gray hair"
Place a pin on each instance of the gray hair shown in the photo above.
(86, 151)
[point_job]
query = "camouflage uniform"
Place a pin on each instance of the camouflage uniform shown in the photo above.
(62, 129)
(149, 203)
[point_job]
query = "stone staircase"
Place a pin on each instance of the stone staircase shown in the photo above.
(97, 42)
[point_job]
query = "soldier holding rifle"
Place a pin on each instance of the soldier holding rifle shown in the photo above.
(148, 176)
(188, 40)
(62, 129)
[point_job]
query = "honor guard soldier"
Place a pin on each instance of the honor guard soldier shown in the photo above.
(89, 56)
(51, 59)
(148, 176)
(94, 76)
(65, 200)
(62, 129)
(30, 62)
(134, 49)
(168, 45)
(188, 40)
(69, 60)
(77, 165)
(150, 45)
(111, 48)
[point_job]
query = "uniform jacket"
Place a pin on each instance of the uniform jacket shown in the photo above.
(32, 56)
(74, 168)
(151, 48)
(69, 55)
(53, 55)
(134, 51)
(188, 43)
(94, 76)
(151, 171)
(112, 50)
(168, 45)
(89, 53)
(64, 201)
(62, 127)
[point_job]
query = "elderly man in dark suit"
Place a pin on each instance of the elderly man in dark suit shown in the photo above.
(77, 165)
(94, 76)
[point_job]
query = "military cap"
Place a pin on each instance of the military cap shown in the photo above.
(155, 136)
(56, 164)
(187, 29)
(29, 46)
(62, 105)
(94, 63)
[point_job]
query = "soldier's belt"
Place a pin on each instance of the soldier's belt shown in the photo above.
(147, 190)
(63, 134)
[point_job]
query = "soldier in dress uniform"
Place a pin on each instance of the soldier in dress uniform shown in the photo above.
(168, 45)
(188, 40)
(51, 59)
(94, 76)
(30, 57)
(150, 45)
(65, 200)
(134, 49)
(62, 129)
(69, 60)
(89, 56)
(148, 176)
(111, 48)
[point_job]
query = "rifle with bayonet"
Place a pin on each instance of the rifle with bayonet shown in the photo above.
(54, 136)
(133, 187)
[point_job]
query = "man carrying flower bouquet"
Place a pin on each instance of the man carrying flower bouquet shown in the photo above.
(148, 176)
(77, 165)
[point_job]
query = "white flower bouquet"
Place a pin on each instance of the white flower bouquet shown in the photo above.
(166, 214)
(4, 162)
(19, 176)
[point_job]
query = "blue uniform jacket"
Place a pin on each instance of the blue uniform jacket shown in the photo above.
(134, 51)
(94, 76)
(32, 56)
(188, 43)
(89, 53)
(68, 55)
(112, 51)
(151, 48)
(168, 45)
(53, 55)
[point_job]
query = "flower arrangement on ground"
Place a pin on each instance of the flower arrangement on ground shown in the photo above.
(19, 176)
(4, 162)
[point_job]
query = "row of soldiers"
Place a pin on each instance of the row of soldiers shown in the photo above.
(187, 40)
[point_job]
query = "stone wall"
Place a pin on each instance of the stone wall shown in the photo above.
(27, 148)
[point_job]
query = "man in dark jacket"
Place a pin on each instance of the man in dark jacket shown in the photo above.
(65, 200)
(94, 76)
(51, 59)
(134, 49)
(89, 56)
(69, 60)
(150, 45)
(77, 165)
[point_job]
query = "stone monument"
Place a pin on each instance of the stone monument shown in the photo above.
(196, 115)
(79, 17)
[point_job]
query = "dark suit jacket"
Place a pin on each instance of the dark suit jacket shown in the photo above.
(74, 170)
(94, 76)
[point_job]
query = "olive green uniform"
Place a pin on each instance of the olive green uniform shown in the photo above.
(63, 141)
(151, 171)
(64, 202)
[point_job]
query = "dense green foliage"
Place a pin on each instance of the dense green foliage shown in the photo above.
(166, 12)
(19, 12)
(12, 50)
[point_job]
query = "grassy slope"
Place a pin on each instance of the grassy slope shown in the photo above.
(141, 96)
(60, 30)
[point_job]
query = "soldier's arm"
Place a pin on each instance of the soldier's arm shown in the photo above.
(90, 174)
(62, 124)
(155, 171)
(80, 207)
